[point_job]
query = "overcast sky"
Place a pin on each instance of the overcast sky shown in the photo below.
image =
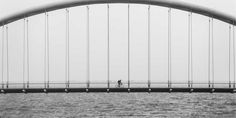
(118, 42)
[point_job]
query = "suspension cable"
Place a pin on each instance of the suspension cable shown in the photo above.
(88, 50)
(7, 56)
(24, 28)
(209, 53)
(190, 49)
(45, 51)
(27, 38)
(149, 49)
(108, 46)
(169, 48)
(67, 51)
(46, 58)
(234, 52)
(3, 55)
(128, 45)
(212, 38)
(229, 55)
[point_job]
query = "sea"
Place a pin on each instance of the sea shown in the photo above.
(116, 105)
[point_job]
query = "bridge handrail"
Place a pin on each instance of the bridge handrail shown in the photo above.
(32, 83)
(165, 3)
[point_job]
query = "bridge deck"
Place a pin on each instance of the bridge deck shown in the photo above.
(66, 90)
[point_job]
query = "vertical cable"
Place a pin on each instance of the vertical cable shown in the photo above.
(234, 51)
(45, 50)
(190, 72)
(7, 56)
(24, 54)
(108, 46)
(67, 50)
(128, 45)
(88, 50)
(229, 54)
(27, 38)
(68, 37)
(149, 49)
(209, 53)
(3, 28)
(169, 48)
(191, 48)
(212, 38)
(68, 34)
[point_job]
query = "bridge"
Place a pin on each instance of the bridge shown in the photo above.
(22, 82)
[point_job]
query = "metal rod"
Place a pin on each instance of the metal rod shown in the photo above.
(68, 34)
(24, 38)
(66, 52)
(229, 55)
(88, 50)
(191, 48)
(234, 52)
(7, 56)
(212, 38)
(169, 48)
(47, 49)
(67, 78)
(128, 45)
(149, 50)
(27, 38)
(108, 46)
(209, 53)
(3, 28)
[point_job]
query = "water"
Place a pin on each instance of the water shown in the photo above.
(220, 105)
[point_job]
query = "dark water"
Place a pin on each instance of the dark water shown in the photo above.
(220, 105)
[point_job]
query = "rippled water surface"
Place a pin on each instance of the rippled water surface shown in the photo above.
(118, 105)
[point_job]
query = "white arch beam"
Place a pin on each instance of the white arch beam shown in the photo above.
(166, 3)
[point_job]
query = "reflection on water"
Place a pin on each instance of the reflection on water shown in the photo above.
(118, 105)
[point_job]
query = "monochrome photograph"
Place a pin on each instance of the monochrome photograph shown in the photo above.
(117, 59)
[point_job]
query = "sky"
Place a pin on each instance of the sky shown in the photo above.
(118, 43)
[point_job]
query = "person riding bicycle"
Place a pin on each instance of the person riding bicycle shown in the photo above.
(119, 83)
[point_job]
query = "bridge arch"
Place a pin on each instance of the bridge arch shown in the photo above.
(23, 15)
(166, 3)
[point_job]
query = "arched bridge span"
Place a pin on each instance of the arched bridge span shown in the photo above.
(166, 3)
